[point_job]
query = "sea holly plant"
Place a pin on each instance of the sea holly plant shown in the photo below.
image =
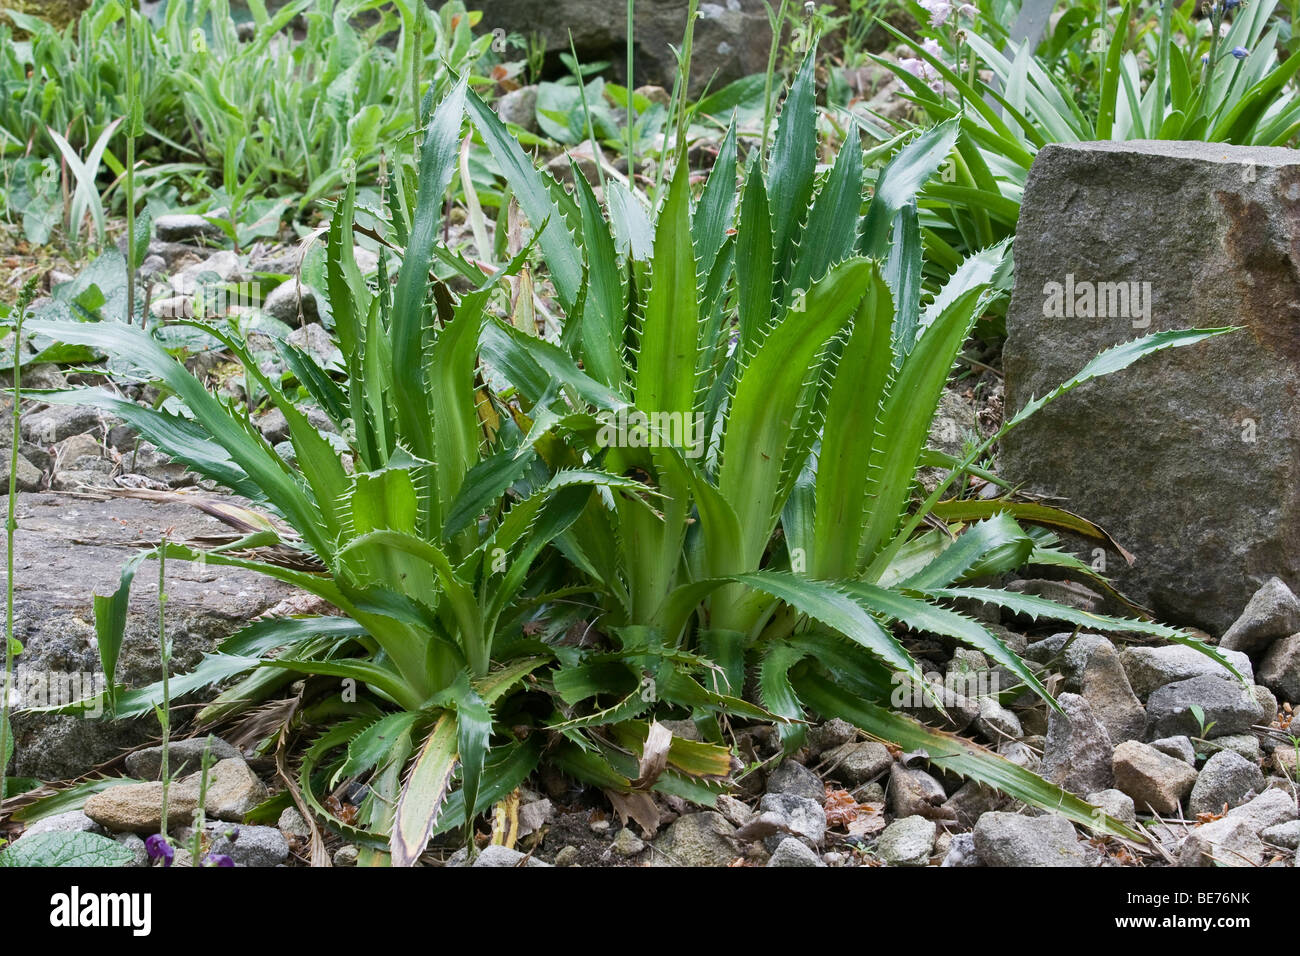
(426, 526)
(539, 546)
(773, 375)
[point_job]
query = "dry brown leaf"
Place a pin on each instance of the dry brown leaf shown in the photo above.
(636, 806)
(654, 756)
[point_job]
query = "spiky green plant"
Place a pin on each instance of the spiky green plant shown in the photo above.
(433, 544)
(790, 546)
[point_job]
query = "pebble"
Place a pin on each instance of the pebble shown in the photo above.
(1010, 839)
(794, 778)
(1157, 782)
(1078, 753)
(907, 842)
(627, 843)
(793, 853)
(1226, 778)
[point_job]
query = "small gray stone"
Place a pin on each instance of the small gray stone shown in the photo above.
(1009, 839)
(1078, 752)
(520, 108)
(1180, 747)
(251, 846)
(858, 763)
(830, 735)
(28, 475)
(1228, 708)
(568, 856)
(907, 842)
(1150, 668)
(1235, 840)
(292, 825)
(136, 845)
(1116, 804)
(58, 422)
(346, 855)
(220, 267)
(735, 812)
(74, 821)
(1020, 753)
(1280, 669)
(1268, 705)
(183, 756)
(495, 855)
(913, 791)
(802, 817)
(996, 723)
(1226, 778)
(1155, 780)
(1245, 744)
(1094, 672)
(273, 425)
(971, 801)
(233, 789)
(534, 815)
(182, 227)
(292, 302)
(1286, 835)
(793, 777)
(961, 851)
(1272, 613)
(627, 843)
(696, 839)
(686, 729)
(793, 853)
(316, 342)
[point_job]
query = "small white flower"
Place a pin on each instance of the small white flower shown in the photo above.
(931, 47)
(939, 10)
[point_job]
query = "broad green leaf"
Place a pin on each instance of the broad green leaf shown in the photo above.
(424, 792)
(66, 849)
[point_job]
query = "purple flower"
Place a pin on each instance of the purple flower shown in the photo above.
(218, 859)
(159, 849)
(1240, 52)
(939, 10)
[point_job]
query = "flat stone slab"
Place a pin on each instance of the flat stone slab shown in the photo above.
(1190, 458)
(70, 548)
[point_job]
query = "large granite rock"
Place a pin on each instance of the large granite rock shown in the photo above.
(70, 549)
(1199, 235)
(732, 37)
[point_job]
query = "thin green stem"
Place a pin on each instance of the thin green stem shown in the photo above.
(631, 136)
(164, 652)
(11, 525)
(200, 813)
(417, 53)
(778, 27)
(131, 264)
